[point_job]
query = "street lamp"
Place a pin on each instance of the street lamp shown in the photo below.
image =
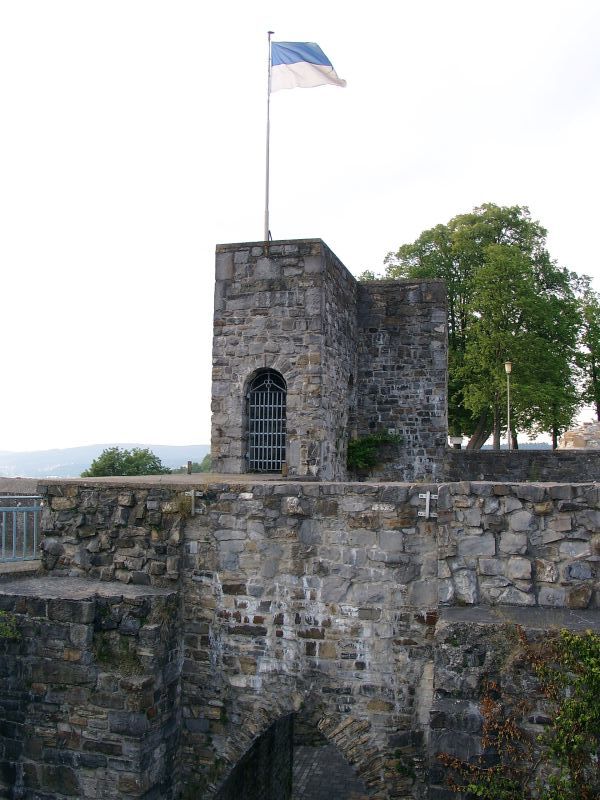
(508, 370)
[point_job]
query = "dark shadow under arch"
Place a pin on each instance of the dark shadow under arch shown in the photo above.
(265, 771)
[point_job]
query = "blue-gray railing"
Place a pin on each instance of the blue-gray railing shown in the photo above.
(19, 527)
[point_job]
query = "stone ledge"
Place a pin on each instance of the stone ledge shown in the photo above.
(19, 485)
(8, 569)
(78, 589)
(533, 618)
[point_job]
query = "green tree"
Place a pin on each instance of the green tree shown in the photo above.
(590, 353)
(117, 461)
(203, 466)
(507, 301)
(368, 275)
(515, 315)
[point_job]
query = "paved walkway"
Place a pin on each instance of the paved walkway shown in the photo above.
(322, 773)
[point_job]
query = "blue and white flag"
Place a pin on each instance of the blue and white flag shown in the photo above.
(302, 65)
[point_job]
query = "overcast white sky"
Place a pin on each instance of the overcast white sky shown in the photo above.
(132, 141)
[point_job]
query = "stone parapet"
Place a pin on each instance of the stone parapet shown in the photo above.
(531, 544)
(519, 544)
(129, 533)
(556, 466)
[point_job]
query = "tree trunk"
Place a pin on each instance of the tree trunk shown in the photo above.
(554, 438)
(595, 387)
(515, 443)
(481, 432)
(496, 428)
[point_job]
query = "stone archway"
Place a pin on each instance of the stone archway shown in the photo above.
(321, 770)
(303, 757)
(265, 762)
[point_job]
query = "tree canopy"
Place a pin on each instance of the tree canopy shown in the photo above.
(119, 461)
(507, 301)
(590, 351)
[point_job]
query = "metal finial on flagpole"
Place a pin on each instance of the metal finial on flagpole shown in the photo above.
(270, 33)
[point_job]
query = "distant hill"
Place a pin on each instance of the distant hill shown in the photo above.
(70, 462)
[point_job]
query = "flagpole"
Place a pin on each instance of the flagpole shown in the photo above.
(270, 33)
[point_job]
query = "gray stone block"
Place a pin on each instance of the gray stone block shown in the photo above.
(491, 566)
(518, 569)
(465, 586)
(423, 593)
(521, 521)
(554, 597)
(575, 549)
(127, 723)
(477, 545)
(71, 611)
(578, 571)
(514, 597)
(513, 543)
(445, 590)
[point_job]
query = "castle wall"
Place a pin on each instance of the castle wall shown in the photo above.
(333, 599)
(519, 544)
(340, 364)
(287, 306)
(357, 359)
(493, 543)
(89, 697)
(312, 596)
(402, 380)
(557, 466)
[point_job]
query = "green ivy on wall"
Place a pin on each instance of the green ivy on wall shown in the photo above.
(561, 763)
(363, 452)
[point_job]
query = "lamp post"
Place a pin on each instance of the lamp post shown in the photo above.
(508, 370)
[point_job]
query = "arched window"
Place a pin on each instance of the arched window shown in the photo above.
(265, 407)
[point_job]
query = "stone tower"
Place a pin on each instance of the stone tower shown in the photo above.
(304, 356)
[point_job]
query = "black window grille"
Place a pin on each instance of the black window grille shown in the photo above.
(266, 422)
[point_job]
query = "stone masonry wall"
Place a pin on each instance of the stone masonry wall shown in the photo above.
(269, 305)
(326, 595)
(340, 363)
(557, 466)
(273, 598)
(519, 544)
(357, 358)
(89, 697)
(402, 381)
(108, 533)
(479, 656)
(320, 596)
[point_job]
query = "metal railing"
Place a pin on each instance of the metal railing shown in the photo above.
(19, 527)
